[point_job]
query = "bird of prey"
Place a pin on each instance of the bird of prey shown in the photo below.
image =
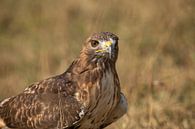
(86, 96)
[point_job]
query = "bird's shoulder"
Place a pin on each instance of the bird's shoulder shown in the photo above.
(51, 98)
(62, 83)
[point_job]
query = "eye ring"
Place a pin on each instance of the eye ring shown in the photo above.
(94, 43)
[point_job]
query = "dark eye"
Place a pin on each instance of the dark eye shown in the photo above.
(94, 43)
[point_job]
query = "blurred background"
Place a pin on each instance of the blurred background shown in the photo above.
(156, 62)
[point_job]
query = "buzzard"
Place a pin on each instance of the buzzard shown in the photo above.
(86, 96)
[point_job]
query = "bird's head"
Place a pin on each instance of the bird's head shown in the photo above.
(101, 46)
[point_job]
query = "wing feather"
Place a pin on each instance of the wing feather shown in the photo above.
(47, 104)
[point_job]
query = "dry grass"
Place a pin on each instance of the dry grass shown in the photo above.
(156, 64)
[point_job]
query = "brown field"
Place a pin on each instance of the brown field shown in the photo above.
(156, 62)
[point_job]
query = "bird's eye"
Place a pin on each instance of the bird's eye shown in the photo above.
(94, 43)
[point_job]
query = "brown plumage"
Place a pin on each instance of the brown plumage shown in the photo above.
(86, 96)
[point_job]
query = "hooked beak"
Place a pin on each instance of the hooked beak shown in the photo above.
(105, 47)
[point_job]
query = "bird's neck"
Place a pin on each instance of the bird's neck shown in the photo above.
(86, 63)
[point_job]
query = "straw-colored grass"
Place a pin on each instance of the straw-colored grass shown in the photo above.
(156, 62)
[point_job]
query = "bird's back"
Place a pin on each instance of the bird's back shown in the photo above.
(46, 104)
